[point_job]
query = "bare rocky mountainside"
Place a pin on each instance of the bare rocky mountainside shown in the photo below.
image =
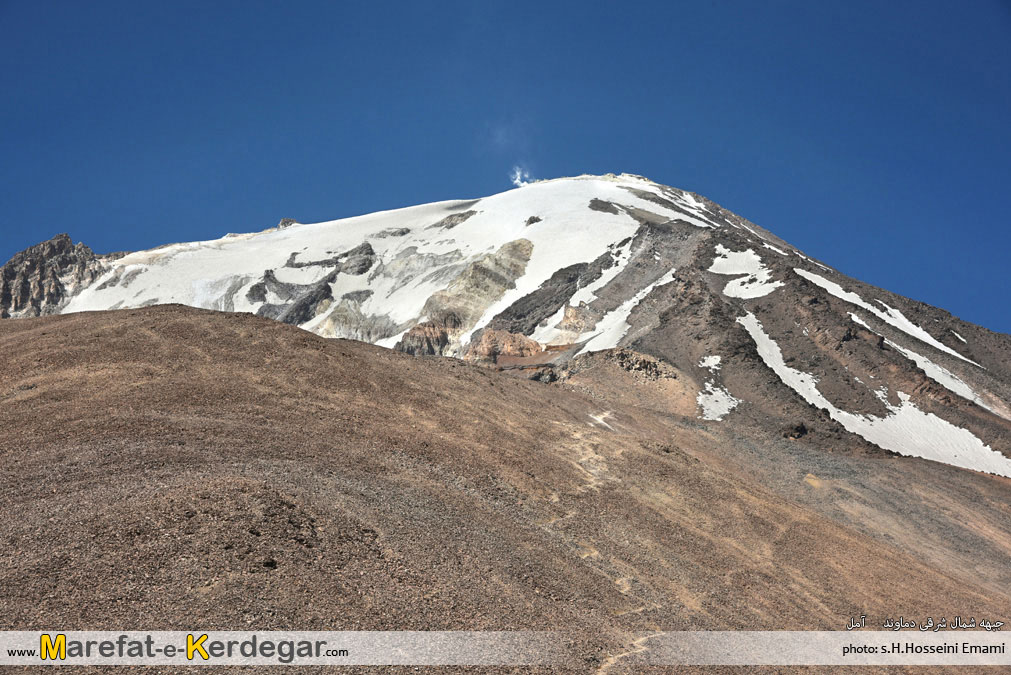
(659, 417)
(41, 279)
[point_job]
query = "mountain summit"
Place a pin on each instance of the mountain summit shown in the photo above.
(546, 278)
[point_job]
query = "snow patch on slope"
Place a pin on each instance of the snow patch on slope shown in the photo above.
(710, 362)
(813, 262)
(716, 402)
(907, 430)
(756, 281)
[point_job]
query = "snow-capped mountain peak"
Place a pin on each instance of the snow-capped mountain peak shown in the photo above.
(545, 275)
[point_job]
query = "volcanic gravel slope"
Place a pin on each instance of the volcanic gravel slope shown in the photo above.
(177, 468)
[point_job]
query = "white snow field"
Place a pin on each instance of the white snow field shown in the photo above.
(415, 260)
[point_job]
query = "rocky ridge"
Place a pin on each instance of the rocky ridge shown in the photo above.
(41, 279)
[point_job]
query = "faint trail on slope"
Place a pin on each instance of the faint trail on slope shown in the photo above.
(638, 647)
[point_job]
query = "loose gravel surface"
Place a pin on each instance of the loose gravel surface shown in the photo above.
(173, 468)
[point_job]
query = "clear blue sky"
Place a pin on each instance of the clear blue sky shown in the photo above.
(873, 135)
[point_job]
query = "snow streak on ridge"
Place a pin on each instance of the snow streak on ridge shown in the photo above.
(907, 431)
(889, 315)
(942, 376)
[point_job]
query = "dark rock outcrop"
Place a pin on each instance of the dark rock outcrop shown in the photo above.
(430, 338)
(301, 302)
(38, 280)
(525, 314)
(393, 232)
(488, 344)
(603, 206)
(356, 261)
(451, 221)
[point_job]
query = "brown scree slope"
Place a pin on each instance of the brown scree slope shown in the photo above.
(175, 468)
